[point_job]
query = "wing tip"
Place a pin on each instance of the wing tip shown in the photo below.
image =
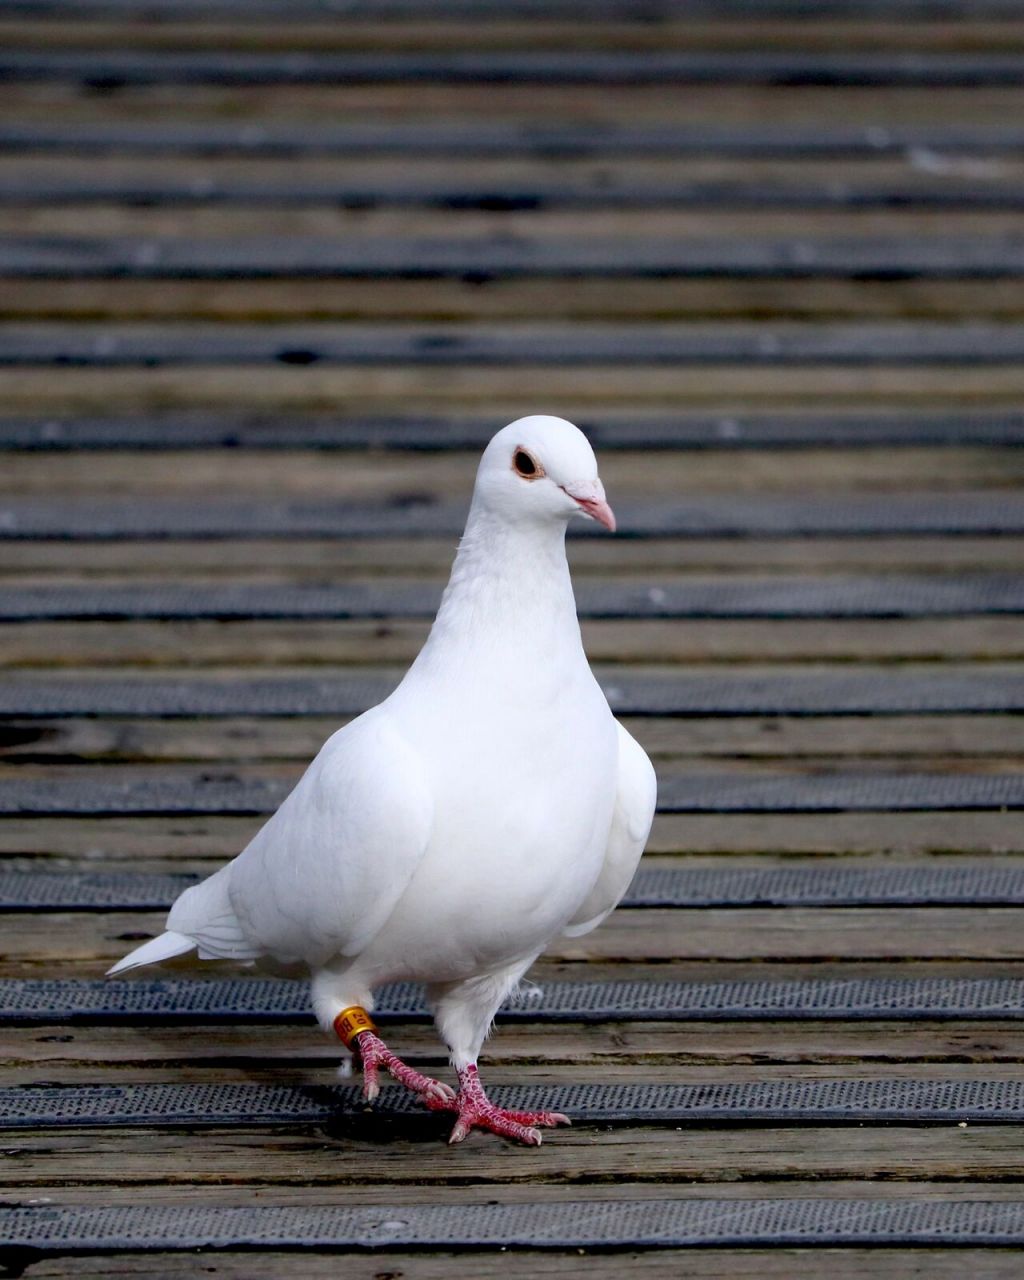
(165, 947)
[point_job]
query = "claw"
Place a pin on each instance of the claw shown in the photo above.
(440, 1092)
(375, 1056)
(476, 1111)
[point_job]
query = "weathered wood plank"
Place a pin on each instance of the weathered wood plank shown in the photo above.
(723, 389)
(579, 1156)
(583, 299)
(426, 31)
(696, 1264)
(713, 106)
(252, 644)
(915, 738)
(83, 944)
(49, 207)
(189, 840)
(193, 1052)
(244, 558)
(940, 1192)
(421, 480)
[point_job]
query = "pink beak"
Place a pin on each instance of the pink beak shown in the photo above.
(591, 501)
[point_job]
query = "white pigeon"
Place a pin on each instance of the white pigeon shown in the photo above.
(490, 804)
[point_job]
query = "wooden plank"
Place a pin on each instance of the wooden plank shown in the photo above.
(938, 1192)
(585, 299)
(252, 644)
(410, 481)
(296, 559)
(568, 391)
(696, 1264)
(82, 944)
(257, 1159)
(187, 839)
(712, 106)
(182, 207)
(514, 32)
(975, 739)
(191, 1052)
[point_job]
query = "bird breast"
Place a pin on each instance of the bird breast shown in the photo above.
(520, 832)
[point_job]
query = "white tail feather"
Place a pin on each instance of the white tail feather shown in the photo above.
(163, 948)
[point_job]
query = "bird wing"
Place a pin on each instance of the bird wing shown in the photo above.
(635, 799)
(321, 877)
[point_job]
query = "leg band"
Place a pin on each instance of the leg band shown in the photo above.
(351, 1023)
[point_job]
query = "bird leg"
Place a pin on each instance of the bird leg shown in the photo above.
(476, 1111)
(357, 1032)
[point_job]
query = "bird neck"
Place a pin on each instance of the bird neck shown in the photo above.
(509, 594)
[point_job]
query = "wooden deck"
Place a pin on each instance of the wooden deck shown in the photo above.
(270, 274)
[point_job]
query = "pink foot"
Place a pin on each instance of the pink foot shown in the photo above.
(476, 1111)
(375, 1056)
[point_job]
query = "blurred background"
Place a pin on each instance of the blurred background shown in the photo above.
(272, 271)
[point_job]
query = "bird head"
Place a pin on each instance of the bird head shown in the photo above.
(543, 469)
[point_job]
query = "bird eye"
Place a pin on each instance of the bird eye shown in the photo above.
(525, 465)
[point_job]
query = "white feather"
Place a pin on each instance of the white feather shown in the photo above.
(165, 947)
(490, 804)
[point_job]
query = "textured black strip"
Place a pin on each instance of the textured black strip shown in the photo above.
(257, 1000)
(850, 882)
(741, 431)
(153, 345)
(896, 596)
(787, 1101)
(501, 138)
(859, 692)
(838, 793)
(649, 67)
(704, 793)
(950, 882)
(720, 516)
(89, 890)
(76, 257)
(643, 1224)
(513, 10)
(557, 188)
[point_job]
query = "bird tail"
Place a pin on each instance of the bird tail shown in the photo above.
(163, 948)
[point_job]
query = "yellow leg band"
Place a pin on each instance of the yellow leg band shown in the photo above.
(352, 1022)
